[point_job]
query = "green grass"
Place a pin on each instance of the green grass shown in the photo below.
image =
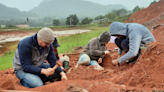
(6, 60)
(67, 44)
(70, 42)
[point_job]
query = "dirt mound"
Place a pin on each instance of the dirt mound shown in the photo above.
(159, 33)
(107, 62)
(150, 16)
(148, 72)
(87, 77)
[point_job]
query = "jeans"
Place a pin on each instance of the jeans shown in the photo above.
(32, 80)
(85, 60)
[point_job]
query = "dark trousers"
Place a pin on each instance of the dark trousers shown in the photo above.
(123, 44)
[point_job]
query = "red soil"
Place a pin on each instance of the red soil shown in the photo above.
(150, 16)
(146, 75)
(113, 78)
(148, 72)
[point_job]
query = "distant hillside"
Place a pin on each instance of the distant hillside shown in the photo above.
(63, 8)
(7, 12)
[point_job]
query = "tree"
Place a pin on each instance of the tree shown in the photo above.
(99, 17)
(11, 26)
(86, 20)
(72, 20)
(121, 12)
(111, 16)
(48, 19)
(137, 8)
(2, 22)
(56, 22)
(153, 2)
(114, 11)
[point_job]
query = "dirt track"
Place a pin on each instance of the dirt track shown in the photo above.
(145, 76)
(8, 36)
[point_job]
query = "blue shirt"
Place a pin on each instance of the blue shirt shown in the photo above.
(25, 55)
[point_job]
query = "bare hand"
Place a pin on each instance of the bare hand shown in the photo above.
(47, 72)
(100, 60)
(63, 76)
(115, 62)
(107, 52)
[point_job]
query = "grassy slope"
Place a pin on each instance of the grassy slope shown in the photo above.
(6, 60)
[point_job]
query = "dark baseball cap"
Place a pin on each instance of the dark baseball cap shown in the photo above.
(55, 43)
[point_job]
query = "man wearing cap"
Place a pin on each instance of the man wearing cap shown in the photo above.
(64, 59)
(28, 62)
(55, 46)
(130, 37)
(94, 51)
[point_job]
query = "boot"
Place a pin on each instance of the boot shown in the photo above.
(66, 65)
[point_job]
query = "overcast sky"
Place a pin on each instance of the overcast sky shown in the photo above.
(26, 5)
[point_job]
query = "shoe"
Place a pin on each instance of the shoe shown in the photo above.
(133, 60)
(55, 79)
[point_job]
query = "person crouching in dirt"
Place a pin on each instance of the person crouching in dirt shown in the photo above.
(94, 51)
(62, 58)
(28, 62)
(130, 37)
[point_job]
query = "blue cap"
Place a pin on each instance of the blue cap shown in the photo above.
(55, 43)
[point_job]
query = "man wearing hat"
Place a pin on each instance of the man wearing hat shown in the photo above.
(130, 37)
(28, 62)
(94, 51)
(64, 59)
(55, 46)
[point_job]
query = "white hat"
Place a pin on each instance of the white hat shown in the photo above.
(46, 35)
